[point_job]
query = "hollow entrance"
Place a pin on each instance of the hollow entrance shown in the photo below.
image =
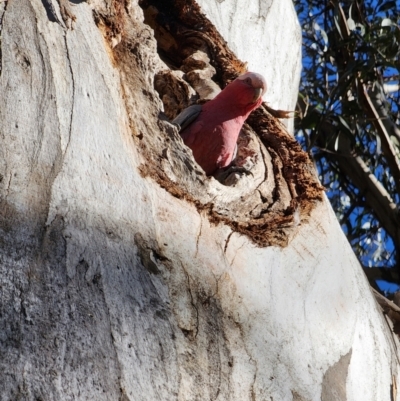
(195, 60)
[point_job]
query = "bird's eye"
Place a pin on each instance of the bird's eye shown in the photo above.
(248, 81)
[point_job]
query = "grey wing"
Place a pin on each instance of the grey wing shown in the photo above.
(187, 116)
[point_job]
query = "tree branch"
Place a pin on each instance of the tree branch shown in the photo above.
(376, 196)
(387, 145)
(388, 307)
(381, 273)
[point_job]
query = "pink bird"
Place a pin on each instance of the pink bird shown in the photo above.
(212, 130)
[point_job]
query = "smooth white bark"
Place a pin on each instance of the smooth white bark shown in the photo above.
(266, 35)
(184, 311)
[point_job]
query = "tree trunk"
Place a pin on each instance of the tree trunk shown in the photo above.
(126, 273)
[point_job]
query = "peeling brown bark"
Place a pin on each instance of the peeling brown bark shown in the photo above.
(334, 383)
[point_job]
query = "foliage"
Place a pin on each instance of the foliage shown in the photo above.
(349, 108)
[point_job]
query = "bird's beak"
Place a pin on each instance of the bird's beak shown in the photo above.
(258, 92)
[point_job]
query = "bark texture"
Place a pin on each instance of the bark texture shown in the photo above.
(126, 273)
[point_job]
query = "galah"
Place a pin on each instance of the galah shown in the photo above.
(212, 130)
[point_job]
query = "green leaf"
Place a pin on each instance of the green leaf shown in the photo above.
(316, 26)
(386, 22)
(389, 5)
(351, 7)
(351, 24)
(395, 141)
(378, 150)
(336, 146)
(361, 29)
(336, 18)
(324, 36)
(344, 123)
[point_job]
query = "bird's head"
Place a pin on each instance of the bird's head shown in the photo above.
(252, 87)
(241, 96)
